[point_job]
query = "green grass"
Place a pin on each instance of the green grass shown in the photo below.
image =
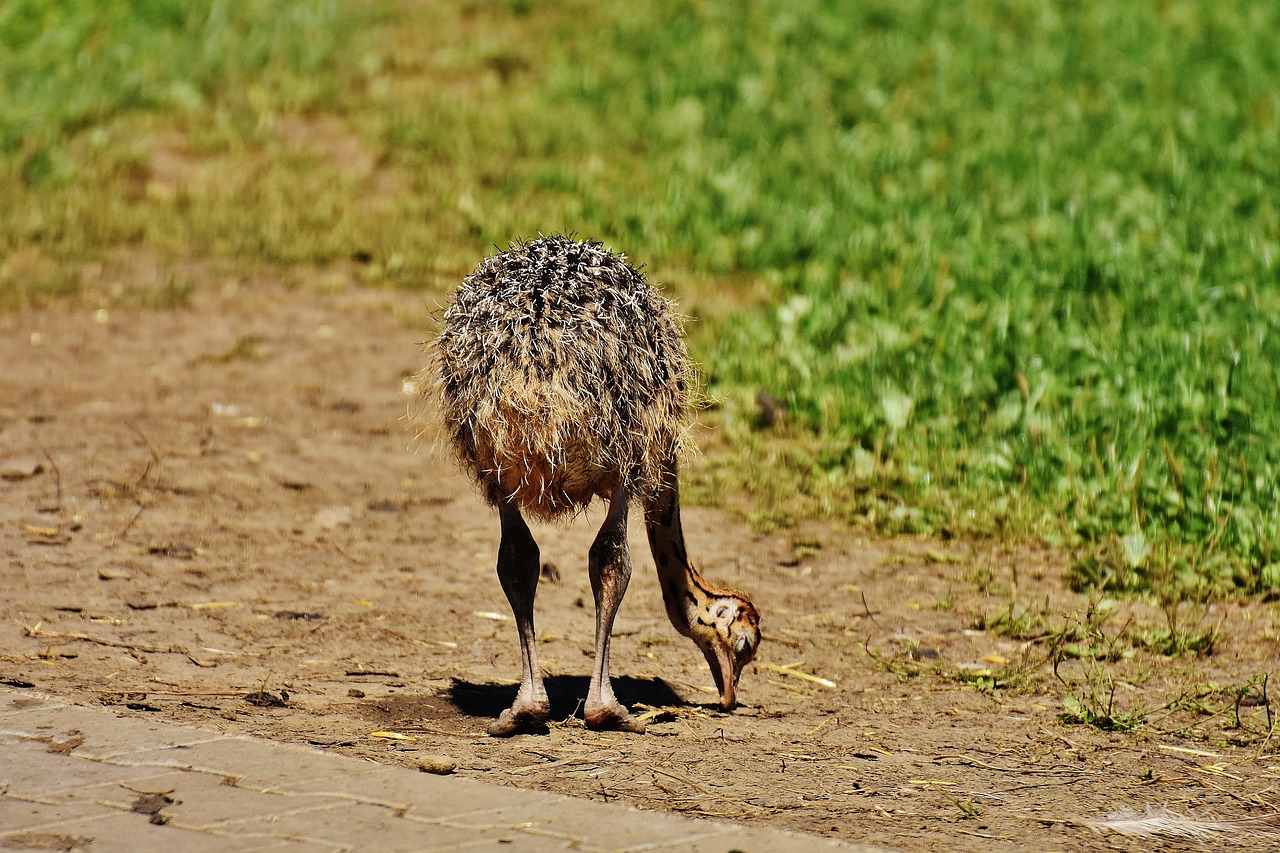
(1013, 268)
(76, 64)
(1023, 261)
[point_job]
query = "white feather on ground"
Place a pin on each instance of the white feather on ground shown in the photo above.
(1162, 822)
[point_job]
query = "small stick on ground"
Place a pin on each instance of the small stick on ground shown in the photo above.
(445, 732)
(57, 480)
(132, 492)
(1065, 740)
(155, 457)
(38, 632)
(564, 762)
(1064, 771)
(345, 553)
(146, 691)
(119, 536)
(866, 610)
(688, 782)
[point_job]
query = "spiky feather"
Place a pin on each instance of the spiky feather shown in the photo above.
(562, 374)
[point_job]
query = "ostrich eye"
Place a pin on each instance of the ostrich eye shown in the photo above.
(722, 612)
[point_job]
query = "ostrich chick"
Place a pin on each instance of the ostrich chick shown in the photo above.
(564, 377)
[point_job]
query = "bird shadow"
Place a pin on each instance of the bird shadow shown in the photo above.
(566, 693)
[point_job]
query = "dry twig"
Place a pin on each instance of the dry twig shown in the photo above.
(57, 480)
(38, 632)
(146, 691)
(973, 762)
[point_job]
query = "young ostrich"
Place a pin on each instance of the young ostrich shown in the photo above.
(564, 377)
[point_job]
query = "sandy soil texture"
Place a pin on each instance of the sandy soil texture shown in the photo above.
(218, 515)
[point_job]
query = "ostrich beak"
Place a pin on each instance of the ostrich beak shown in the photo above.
(723, 671)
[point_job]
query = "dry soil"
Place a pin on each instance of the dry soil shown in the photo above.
(218, 515)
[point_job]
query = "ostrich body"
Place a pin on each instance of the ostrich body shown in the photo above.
(564, 377)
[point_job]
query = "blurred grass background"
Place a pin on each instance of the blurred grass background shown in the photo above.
(983, 268)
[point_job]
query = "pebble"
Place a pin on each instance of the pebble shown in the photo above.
(20, 469)
(442, 765)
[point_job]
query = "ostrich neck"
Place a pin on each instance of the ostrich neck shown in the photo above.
(684, 592)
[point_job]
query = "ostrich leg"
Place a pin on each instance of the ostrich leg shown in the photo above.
(609, 563)
(518, 571)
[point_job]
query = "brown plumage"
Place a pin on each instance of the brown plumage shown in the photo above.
(564, 377)
(561, 371)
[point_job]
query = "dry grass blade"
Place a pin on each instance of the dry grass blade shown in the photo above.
(1056, 771)
(491, 615)
(564, 762)
(146, 691)
(56, 506)
(795, 673)
(38, 632)
(1188, 751)
(665, 715)
(677, 777)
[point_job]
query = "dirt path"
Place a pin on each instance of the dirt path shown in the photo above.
(224, 500)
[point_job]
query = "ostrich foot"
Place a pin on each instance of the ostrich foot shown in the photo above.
(613, 717)
(520, 718)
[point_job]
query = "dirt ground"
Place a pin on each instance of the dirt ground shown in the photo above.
(218, 516)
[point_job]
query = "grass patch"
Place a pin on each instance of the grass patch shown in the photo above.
(1006, 268)
(1022, 259)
